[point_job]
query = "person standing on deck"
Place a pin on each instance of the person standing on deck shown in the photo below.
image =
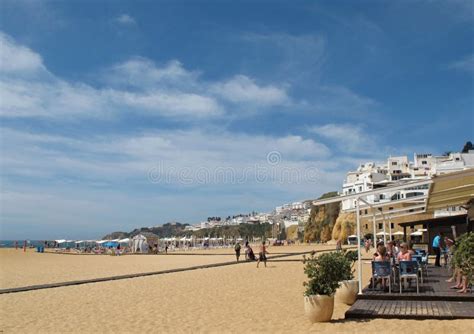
(437, 248)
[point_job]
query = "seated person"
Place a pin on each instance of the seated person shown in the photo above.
(379, 245)
(250, 254)
(382, 254)
(404, 254)
(391, 251)
(381, 257)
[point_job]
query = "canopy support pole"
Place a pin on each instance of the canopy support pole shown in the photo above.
(374, 227)
(358, 247)
(390, 228)
(384, 230)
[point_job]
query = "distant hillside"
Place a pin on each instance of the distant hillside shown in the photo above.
(164, 231)
(177, 230)
(115, 235)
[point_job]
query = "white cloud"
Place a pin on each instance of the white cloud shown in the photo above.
(170, 104)
(137, 85)
(125, 19)
(143, 73)
(348, 137)
(243, 89)
(466, 64)
(111, 157)
(17, 58)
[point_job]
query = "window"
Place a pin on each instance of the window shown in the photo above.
(365, 211)
(424, 162)
(380, 226)
(414, 194)
(391, 225)
(366, 226)
(390, 208)
(394, 163)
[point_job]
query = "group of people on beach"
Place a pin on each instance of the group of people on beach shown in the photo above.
(250, 255)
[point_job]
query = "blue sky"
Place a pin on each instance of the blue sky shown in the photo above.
(121, 114)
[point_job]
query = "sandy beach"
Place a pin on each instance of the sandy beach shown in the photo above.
(231, 299)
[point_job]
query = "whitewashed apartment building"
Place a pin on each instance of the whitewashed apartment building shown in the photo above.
(398, 170)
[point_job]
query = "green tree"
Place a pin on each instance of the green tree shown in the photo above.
(468, 146)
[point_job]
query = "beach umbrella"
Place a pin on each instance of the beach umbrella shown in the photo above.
(416, 234)
(398, 233)
(111, 244)
(382, 233)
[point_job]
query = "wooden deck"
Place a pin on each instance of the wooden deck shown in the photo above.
(410, 309)
(434, 287)
(436, 300)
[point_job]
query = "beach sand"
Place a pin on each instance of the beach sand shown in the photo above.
(231, 299)
(31, 268)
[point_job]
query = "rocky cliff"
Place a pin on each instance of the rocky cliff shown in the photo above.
(327, 222)
(344, 226)
(322, 220)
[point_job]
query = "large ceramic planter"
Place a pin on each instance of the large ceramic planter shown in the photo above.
(347, 292)
(319, 308)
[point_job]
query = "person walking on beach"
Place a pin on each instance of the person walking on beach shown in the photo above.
(237, 251)
(262, 254)
(24, 246)
(437, 248)
(16, 244)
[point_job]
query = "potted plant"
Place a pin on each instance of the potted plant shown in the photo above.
(324, 274)
(463, 258)
(349, 287)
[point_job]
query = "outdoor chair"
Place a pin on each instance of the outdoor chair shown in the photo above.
(419, 259)
(420, 251)
(382, 269)
(409, 269)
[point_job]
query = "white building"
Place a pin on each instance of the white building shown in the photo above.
(397, 170)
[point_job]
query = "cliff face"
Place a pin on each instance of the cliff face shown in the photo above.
(344, 226)
(322, 220)
(327, 222)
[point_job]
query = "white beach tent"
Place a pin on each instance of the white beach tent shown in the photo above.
(416, 234)
(139, 244)
(398, 233)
